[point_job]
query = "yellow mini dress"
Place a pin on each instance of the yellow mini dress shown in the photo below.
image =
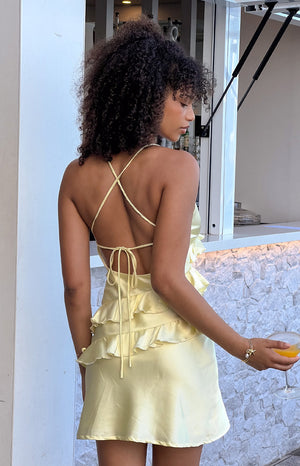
(150, 376)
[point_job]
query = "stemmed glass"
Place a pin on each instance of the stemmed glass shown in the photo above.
(293, 338)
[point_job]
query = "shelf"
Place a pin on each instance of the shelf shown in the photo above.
(254, 235)
(243, 236)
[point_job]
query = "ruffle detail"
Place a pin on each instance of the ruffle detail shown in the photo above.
(196, 248)
(147, 301)
(197, 280)
(109, 346)
(191, 273)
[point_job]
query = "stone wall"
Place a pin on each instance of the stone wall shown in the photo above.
(257, 291)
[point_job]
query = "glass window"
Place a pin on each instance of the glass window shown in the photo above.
(268, 137)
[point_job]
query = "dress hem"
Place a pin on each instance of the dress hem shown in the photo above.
(154, 442)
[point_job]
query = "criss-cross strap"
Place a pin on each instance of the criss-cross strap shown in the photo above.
(117, 181)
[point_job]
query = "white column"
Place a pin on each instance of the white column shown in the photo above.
(150, 7)
(208, 60)
(220, 54)
(104, 19)
(9, 129)
(37, 418)
(189, 26)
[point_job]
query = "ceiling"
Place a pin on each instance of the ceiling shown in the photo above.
(258, 7)
(133, 2)
(281, 3)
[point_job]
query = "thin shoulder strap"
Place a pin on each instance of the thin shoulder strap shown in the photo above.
(132, 159)
(102, 203)
(117, 180)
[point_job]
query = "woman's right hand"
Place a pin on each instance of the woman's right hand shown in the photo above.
(265, 357)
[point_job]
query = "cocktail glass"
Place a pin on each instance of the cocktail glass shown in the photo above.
(293, 338)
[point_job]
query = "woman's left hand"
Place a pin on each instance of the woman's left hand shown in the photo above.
(265, 357)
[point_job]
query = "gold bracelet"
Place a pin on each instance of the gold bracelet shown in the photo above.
(81, 351)
(250, 352)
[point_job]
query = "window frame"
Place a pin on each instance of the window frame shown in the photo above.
(218, 152)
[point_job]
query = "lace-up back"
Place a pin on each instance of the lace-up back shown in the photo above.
(115, 278)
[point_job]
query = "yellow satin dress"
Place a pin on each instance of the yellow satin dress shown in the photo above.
(150, 376)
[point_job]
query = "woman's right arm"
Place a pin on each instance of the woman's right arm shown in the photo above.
(75, 259)
(170, 247)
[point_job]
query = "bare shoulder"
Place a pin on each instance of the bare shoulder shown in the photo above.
(77, 176)
(181, 158)
(177, 164)
(71, 172)
(75, 180)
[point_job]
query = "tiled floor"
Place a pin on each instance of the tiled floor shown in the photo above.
(290, 460)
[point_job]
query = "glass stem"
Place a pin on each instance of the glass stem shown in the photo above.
(287, 387)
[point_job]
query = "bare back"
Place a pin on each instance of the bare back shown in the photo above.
(119, 202)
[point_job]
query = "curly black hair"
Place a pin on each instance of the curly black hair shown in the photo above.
(125, 85)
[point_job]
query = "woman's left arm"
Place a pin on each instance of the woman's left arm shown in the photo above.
(75, 260)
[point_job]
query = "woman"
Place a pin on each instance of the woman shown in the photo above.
(149, 371)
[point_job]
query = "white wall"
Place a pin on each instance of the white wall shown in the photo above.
(9, 128)
(40, 138)
(268, 141)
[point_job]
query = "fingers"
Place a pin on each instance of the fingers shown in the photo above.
(270, 365)
(284, 360)
(283, 363)
(277, 344)
(281, 367)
